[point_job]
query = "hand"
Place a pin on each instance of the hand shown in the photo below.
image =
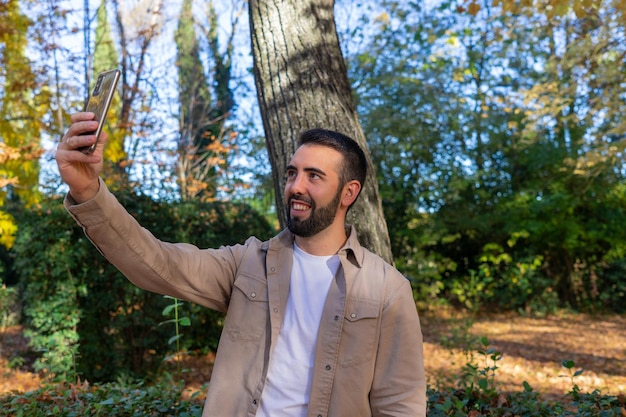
(78, 170)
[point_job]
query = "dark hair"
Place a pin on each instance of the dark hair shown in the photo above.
(355, 163)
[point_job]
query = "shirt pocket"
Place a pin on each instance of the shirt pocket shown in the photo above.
(248, 312)
(359, 337)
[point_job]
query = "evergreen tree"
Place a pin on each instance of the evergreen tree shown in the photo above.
(204, 138)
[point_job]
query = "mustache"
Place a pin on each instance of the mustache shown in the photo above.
(299, 197)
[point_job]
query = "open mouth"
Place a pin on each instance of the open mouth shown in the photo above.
(298, 207)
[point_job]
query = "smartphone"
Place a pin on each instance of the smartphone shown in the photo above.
(100, 101)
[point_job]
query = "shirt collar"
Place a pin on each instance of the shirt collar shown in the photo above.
(352, 249)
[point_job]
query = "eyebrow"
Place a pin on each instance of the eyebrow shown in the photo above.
(310, 169)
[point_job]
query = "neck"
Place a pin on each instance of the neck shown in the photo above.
(325, 243)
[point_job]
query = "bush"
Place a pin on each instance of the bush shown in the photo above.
(112, 399)
(164, 399)
(83, 317)
(476, 403)
(610, 288)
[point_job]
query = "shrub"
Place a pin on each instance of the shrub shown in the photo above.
(137, 399)
(112, 399)
(83, 317)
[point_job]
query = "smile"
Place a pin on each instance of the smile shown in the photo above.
(299, 206)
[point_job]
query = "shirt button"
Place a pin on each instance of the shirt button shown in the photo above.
(254, 402)
(328, 367)
(336, 318)
(353, 315)
(253, 295)
(273, 269)
(275, 310)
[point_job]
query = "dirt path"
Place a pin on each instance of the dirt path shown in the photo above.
(14, 373)
(532, 350)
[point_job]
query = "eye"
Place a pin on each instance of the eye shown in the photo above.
(290, 174)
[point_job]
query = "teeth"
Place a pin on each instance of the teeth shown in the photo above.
(297, 206)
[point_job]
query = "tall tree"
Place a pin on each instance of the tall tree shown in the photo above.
(21, 109)
(302, 83)
(505, 132)
(205, 104)
(105, 57)
(138, 25)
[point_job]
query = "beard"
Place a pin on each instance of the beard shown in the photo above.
(318, 220)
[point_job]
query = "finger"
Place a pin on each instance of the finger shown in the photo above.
(65, 155)
(101, 142)
(74, 141)
(82, 127)
(81, 123)
(104, 138)
(79, 128)
(82, 116)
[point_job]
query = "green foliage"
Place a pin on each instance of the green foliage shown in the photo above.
(84, 318)
(164, 398)
(610, 286)
(482, 377)
(499, 154)
(112, 399)
(50, 291)
(178, 321)
(477, 394)
(7, 305)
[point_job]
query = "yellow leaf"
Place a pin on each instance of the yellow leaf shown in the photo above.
(8, 228)
(382, 18)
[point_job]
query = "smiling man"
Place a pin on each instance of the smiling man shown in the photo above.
(315, 325)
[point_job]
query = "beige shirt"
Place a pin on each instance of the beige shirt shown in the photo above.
(368, 360)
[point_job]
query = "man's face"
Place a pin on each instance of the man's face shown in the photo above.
(312, 189)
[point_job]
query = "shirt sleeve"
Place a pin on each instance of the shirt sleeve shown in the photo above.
(203, 276)
(399, 385)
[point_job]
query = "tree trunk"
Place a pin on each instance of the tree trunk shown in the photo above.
(302, 83)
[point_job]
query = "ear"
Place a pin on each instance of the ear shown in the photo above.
(350, 192)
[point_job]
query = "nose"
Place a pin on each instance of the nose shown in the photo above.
(296, 184)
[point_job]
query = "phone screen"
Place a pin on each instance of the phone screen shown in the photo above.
(100, 101)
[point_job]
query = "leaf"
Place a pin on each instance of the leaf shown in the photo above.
(485, 342)
(168, 309)
(473, 8)
(527, 387)
(184, 321)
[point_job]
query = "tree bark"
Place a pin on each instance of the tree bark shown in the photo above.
(302, 83)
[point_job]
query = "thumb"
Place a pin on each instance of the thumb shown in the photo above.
(102, 141)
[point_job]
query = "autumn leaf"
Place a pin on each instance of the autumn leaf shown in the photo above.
(473, 8)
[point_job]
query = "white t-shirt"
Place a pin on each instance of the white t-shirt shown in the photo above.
(288, 384)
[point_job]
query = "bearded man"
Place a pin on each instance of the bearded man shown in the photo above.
(316, 325)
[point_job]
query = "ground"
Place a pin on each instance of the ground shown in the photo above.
(532, 350)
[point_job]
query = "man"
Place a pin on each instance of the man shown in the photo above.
(316, 325)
